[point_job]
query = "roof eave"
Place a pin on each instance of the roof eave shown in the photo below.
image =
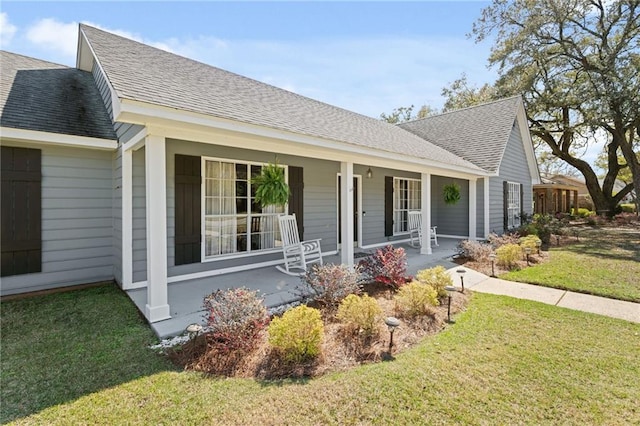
(11, 134)
(160, 117)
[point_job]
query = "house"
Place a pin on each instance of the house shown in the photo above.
(553, 196)
(144, 177)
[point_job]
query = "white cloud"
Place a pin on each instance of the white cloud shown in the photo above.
(7, 30)
(52, 34)
(61, 38)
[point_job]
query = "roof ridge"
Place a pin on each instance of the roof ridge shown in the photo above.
(239, 75)
(483, 104)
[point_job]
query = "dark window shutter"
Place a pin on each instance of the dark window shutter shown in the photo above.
(21, 211)
(388, 206)
(296, 197)
(188, 210)
(521, 203)
(505, 204)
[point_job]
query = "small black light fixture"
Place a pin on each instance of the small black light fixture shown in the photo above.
(369, 173)
(461, 272)
(492, 256)
(527, 251)
(392, 324)
(538, 245)
(450, 290)
(193, 330)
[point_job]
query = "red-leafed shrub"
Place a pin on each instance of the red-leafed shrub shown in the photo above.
(235, 318)
(387, 266)
(329, 283)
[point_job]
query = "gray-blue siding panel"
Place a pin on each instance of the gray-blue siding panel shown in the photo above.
(480, 208)
(450, 219)
(514, 168)
(76, 221)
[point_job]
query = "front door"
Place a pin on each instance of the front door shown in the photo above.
(356, 209)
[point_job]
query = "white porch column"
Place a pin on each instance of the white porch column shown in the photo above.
(425, 185)
(487, 226)
(346, 212)
(157, 307)
(473, 209)
(127, 218)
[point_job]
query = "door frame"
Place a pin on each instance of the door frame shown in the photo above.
(358, 208)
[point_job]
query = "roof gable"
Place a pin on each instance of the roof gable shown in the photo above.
(43, 96)
(142, 73)
(478, 134)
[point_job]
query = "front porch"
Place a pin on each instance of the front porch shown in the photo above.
(185, 298)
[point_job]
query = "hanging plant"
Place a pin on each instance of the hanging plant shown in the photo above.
(271, 187)
(451, 193)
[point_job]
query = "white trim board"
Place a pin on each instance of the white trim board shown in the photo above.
(59, 139)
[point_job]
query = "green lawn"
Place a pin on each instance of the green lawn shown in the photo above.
(606, 262)
(59, 347)
(505, 361)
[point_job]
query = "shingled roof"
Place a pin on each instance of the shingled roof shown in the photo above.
(478, 134)
(143, 73)
(47, 97)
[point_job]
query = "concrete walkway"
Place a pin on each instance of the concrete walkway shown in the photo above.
(476, 281)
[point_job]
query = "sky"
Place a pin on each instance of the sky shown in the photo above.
(368, 57)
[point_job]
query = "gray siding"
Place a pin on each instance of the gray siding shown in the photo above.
(450, 219)
(76, 221)
(320, 203)
(513, 168)
(373, 203)
(103, 88)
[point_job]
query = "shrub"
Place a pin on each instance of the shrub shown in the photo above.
(628, 207)
(531, 242)
(297, 334)
(437, 278)
(583, 213)
(360, 314)
(329, 283)
(500, 240)
(475, 250)
(508, 255)
(235, 318)
(387, 266)
(415, 299)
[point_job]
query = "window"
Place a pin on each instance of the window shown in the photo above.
(233, 221)
(513, 205)
(406, 197)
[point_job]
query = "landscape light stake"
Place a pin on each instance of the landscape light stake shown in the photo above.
(450, 290)
(392, 323)
(527, 250)
(538, 245)
(492, 256)
(193, 330)
(461, 272)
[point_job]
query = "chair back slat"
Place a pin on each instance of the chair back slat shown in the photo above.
(289, 230)
(415, 221)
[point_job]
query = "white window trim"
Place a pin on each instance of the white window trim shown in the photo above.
(395, 178)
(227, 256)
(515, 220)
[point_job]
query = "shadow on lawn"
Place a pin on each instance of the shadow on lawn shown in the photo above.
(59, 347)
(610, 243)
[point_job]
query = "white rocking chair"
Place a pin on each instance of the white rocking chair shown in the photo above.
(297, 254)
(415, 230)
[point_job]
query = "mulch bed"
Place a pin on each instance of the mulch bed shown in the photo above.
(340, 351)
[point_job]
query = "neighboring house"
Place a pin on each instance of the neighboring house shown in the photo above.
(556, 196)
(146, 177)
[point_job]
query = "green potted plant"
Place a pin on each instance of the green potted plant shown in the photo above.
(451, 193)
(271, 186)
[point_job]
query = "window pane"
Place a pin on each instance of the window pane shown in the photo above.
(241, 171)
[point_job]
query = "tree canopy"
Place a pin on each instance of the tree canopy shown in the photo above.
(577, 64)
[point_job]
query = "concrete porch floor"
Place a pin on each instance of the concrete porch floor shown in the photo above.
(185, 298)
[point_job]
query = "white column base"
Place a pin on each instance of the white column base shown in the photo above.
(157, 313)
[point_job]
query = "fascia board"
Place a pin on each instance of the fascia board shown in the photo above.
(21, 135)
(177, 124)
